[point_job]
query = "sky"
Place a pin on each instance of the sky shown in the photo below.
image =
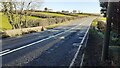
(86, 6)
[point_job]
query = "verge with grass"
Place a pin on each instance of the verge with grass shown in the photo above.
(93, 51)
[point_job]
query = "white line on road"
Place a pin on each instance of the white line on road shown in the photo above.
(82, 60)
(39, 41)
(5, 51)
(75, 56)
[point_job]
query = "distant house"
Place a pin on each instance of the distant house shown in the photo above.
(47, 9)
(50, 9)
(74, 11)
(63, 11)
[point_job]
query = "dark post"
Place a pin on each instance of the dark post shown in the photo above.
(107, 33)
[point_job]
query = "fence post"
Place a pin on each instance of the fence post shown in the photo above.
(106, 43)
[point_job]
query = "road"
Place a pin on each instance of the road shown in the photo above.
(53, 47)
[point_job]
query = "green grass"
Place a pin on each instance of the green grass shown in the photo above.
(5, 25)
(51, 14)
(29, 18)
(94, 23)
(115, 54)
(102, 19)
(82, 14)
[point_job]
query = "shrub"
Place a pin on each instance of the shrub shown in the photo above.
(48, 21)
(101, 26)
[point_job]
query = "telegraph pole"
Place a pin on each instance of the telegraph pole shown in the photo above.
(106, 43)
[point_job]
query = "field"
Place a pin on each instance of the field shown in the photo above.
(82, 14)
(4, 23)
(51, 14)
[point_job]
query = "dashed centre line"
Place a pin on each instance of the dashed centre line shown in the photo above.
(5, 52)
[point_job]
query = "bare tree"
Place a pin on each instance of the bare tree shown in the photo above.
(15, 11)
(26, 14)
(8, 11)
(31, 6)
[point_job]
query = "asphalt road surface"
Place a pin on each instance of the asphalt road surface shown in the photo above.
(53, 47)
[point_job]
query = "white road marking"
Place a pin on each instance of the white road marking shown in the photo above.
(5, 51)
(62, 37)
(75, 56)
(38, 41)
(81, 64)
(82, 60)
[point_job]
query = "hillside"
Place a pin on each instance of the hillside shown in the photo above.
(5, 25)
(39, 18)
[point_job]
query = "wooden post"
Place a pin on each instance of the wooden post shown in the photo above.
(107, 33)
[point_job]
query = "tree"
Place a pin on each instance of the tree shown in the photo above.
(8, 11)
(15, 11)
(74, 11)
(46, 9)
(104, 6)
(113, 14)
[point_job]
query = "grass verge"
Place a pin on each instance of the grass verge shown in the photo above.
(93, 51)
(115, 55)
